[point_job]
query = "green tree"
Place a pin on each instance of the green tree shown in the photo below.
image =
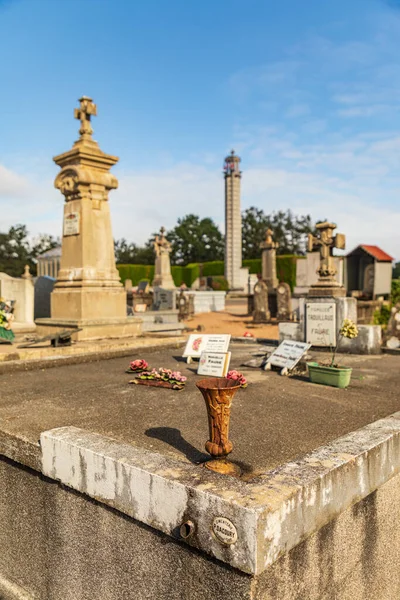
(129, 253)
(396, 271)
(195, 240)
(289, 230)
(16, 250)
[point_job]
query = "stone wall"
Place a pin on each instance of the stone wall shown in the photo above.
(56, 544)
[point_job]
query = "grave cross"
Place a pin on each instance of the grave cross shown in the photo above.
(87, 108)
(325, 242)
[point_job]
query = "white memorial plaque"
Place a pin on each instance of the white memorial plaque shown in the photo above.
(214, 364)
(71, 223)
(321, 323)
(140, 308)
(198, 343)
(288, 354)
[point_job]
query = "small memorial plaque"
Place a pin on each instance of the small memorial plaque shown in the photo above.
(288, 354)
(71, 223)
(224, 530)
(198, 343)
(140, 308)
(321, 323)
(164, 299)
(214, 364)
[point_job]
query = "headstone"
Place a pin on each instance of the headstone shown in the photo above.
(321, 323)
(284, 302)
(128, 284)
(261, 312)
(43, 287)
(143, 287)
(21, 291)
(214, 364)
(162, 267)
(164, 299)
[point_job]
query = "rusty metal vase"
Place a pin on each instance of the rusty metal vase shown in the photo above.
(218, 394)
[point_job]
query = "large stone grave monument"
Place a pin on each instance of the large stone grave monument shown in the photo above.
(88, 294)
(320, 315)
(162, 267)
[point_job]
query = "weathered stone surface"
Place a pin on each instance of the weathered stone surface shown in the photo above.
(272, 514)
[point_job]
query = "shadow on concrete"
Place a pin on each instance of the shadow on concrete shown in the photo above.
(174, 438)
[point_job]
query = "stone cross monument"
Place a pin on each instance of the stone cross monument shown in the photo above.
(162, 271)
(88, 293)
(268, 260)
(326, 285)
(233, 222)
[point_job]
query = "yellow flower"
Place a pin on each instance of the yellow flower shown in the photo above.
(349, 329)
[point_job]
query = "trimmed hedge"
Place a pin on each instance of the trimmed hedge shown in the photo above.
(285, 270)
(136, 273)
(254, 265)
(213, 268)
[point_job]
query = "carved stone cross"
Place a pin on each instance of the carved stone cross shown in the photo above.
(86, 110)
(325, 243)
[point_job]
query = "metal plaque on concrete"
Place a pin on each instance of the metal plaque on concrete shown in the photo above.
(214, 364)
(288, 354)
(224, 530)
(71, 223)
(321, 323)
(198, 343)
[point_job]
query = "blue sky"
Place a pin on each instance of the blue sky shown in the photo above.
(307, 92)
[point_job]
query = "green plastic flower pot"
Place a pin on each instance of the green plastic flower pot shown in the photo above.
(6, 334)
(333, 376)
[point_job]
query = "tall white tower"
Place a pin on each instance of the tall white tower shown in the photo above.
(233, 223)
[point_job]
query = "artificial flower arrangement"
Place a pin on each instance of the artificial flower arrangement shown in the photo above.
(236, 376)
(158, 378)
(6, 319)
(137, 366)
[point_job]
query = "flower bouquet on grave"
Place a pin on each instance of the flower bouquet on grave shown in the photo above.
(165, 378)
(331, 373)
(6, 319)
(137, 366)
(238, 377)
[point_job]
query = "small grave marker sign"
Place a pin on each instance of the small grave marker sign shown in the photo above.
(214, 364)
(198, 343)
(287, 355)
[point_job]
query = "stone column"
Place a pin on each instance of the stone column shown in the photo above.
(233, 222)
(268, 261)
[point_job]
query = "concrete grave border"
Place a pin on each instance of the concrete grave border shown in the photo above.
(271, 514)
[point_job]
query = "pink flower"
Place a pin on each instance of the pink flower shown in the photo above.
(139, 365)
(236, 376)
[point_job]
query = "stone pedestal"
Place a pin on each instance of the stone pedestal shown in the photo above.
(88, 293)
